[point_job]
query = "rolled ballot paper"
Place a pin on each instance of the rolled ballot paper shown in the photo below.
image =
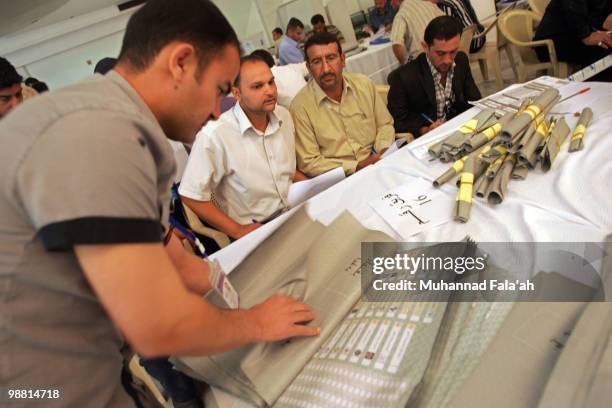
(490, 155)
(577, 142)
(517, 142)
(481, 186)
(520, 171)
(453, 147)
(448, 175)
(479, 164)
(479, 122)
(489, 133)
(457, 166)
(499, 185)
(556, 139)
(528, 153)
(542, 102)
(463, 205)
(494, 167)
(435, 148)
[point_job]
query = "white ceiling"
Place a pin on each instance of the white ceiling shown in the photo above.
(24, 15)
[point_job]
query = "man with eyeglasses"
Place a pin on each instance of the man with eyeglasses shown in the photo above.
(340, 120)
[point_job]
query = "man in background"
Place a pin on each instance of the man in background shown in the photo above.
(437, 85)
(463, 11)
(408, 28)
(318, 26)
(340, 120)
(289, 50)
(246, 159)
(579, 33)
(10, 87)
(382, 16)
(277, 36)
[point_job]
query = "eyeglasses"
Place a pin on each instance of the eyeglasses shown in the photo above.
(329, 59)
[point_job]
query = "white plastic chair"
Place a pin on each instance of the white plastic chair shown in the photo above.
(517, 26)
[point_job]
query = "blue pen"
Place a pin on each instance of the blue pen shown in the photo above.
(189, 235)
(427, 118)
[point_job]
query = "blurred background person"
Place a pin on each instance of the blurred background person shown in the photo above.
(10, 87)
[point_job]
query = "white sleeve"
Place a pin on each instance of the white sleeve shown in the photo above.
(205, 168)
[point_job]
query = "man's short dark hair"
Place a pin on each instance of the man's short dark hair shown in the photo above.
(442, 28)
(105, 65)
(8, 74)
(265, 55)
(316, 19)
(294, 23)
(160, 22)
(246, 59)
(37, 85)
(323, 38)
(278, 30)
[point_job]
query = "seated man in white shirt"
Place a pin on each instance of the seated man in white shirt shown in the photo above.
(246, 159)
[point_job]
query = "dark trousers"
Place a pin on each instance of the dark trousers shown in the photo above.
(180, 387)
(570, 49)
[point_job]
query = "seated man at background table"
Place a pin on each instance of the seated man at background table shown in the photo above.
(382, 15)
(277, 36)
(10, 87)
(339, 118)
(437, 85)
(579, 33)
(408, 27)
(289, 79)
(289, 51)
(319, 26)
(246, 158)
(463, 11)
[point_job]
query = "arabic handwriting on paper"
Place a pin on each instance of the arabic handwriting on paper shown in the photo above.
(405, 208)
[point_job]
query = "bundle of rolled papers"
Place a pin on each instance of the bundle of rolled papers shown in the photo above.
(576, 142)
(488, 152)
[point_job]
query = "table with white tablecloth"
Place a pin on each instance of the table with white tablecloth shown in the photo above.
(377, 61)
(570, 203)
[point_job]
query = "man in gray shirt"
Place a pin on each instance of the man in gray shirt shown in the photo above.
(85, 187)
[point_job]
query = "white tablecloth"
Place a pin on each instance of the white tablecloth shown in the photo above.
(376, 62)
(570, 203)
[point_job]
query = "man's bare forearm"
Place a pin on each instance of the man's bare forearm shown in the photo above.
(210, 213)
(193, 270)
(400, 53)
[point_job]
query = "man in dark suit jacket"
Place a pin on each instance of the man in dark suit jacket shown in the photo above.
(578, 32)
(437, 85)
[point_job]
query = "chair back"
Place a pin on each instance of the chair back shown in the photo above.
(538, 6)
(518, 27)
(466, 38)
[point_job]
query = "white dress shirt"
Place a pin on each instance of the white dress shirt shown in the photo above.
(249, 172)
(289, 81)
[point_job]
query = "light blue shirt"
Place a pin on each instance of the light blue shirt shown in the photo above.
(289, 53)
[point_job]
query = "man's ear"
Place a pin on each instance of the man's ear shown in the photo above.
(182, 59)
(236, 92)
(425, 47)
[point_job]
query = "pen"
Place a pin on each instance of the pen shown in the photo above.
(427, 118)
(189, 235)
(575, 94)
(269, 218)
